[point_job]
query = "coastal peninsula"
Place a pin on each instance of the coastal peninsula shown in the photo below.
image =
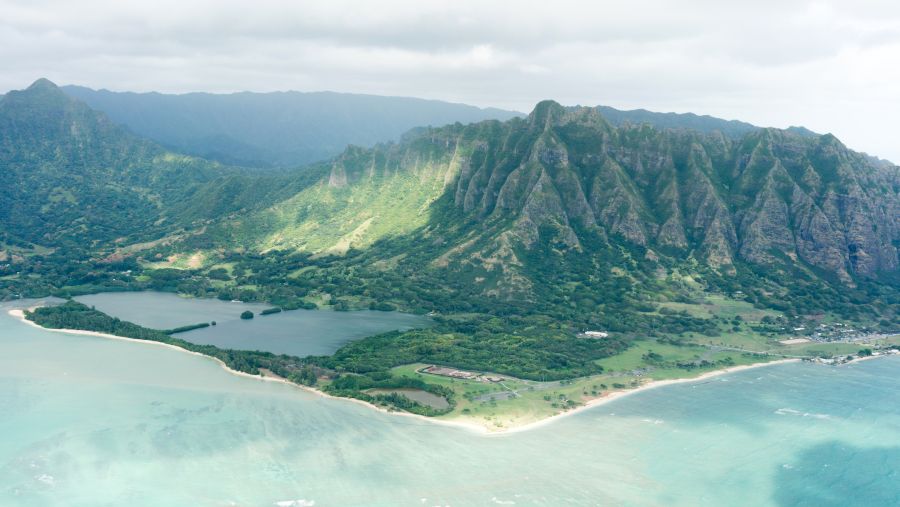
(487, 403)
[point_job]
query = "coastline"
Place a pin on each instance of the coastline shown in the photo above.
(470, 425)
(20, 315)
(653, 384)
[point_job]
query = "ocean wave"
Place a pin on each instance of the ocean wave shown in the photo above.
(790, 411)
(46, 479)
(295, 503)
(502, 502)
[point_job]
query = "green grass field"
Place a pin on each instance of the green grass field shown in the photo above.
(723, 307)
(516, 402)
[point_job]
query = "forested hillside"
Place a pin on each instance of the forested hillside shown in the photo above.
(514, 236)
(561, 221)
(77, 181)
(771, 198)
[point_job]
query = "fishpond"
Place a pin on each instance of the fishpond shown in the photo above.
(296, 332)
(92, 422)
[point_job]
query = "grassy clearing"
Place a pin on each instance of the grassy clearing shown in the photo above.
(722, 307)
(195, 260)
(743, 339)
(632, 358)
(515, 402)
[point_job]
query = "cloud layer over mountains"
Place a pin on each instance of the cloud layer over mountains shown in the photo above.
(830, 66)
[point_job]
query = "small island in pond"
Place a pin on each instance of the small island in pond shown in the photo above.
(491, 401)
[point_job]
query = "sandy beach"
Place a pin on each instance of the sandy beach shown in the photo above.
(20, 315)
(470, 425)
(653, 384)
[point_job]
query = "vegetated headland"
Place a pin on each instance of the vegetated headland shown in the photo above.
(484, 402)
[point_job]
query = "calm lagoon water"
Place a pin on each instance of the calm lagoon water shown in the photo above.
(94, 422)
(297, 332)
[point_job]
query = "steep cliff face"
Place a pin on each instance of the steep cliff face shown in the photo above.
(772, 196)
(767, 198)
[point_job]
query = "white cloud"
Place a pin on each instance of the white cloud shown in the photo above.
(832, 66)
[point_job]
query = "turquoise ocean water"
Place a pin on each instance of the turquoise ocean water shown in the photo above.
(94, 422)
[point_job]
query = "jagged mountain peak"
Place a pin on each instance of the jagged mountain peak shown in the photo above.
(770, 197)
(549, 113)
(43, 115)
(43, 84)
(546, 112)
(41, 95)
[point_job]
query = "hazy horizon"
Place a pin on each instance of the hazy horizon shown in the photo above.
(827, 66)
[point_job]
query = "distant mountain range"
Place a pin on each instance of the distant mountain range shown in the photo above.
(687, 121)
(290, 129)
(688, 243)
(513, 211)
(278, 129)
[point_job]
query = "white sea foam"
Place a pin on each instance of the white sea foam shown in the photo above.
(296, 503)
(790, 411)
(502, 502)
(46, 479)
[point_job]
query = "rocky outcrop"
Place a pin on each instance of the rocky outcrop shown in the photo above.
(769, 197)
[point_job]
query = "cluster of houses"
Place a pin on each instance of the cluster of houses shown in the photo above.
(460, 374)
(832, 332)
(840, 332)
(846, 359)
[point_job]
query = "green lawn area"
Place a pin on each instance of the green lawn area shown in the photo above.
(534, 401)
(824, 349)
(720, 306)
(528, 405)
(744, 339)
(630, 359)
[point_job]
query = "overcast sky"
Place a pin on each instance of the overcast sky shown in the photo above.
(830, 66)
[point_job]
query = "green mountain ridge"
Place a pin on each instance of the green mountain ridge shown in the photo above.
(514, 235)
(287, 129)
(772, 197)
(77, 180)
(687, 121)
(277, 129)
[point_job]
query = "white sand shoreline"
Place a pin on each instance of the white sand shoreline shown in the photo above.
(20, 315)
(472, 426)
(653, 384)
